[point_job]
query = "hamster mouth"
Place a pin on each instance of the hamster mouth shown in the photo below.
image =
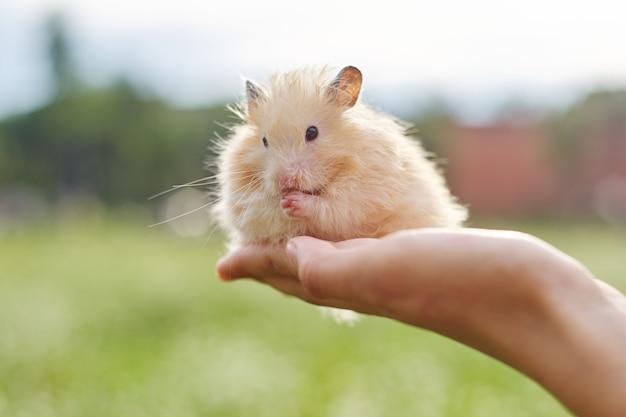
(315, 192)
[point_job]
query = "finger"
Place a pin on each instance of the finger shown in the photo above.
(330, 271)
(256, 261)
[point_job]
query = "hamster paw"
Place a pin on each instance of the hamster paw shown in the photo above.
(296, 203)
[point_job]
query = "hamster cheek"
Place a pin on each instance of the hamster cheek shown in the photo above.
(297, 204)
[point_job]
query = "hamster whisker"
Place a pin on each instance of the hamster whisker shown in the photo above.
(265, 203)
(238, 202)
(211, 233)
(210, 180)
(184, 214)
(200, 182)
(242, 175)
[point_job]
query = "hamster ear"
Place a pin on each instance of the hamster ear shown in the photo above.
(254, 93)
(345, 88)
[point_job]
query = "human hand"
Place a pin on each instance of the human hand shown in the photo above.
(425, 277)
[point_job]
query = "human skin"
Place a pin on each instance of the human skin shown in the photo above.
(507, 294)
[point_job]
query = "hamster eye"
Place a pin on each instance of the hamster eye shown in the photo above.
(264, 141)
(311, 133)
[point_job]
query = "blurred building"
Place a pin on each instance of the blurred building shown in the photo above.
(509, 169)
(501, 169)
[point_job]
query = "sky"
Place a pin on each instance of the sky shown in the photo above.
(195, 52)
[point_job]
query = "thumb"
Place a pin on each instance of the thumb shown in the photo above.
(324, 269)
(308, 253)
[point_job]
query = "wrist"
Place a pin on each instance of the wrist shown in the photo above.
(570, 337)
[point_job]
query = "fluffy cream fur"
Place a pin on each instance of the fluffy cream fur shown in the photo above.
(362, 176)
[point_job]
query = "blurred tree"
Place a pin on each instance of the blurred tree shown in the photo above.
(112, 144)
(430, 124)
(64, 77)
(600, 115)
(115, 144)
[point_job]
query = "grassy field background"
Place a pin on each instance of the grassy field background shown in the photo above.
(106, 317)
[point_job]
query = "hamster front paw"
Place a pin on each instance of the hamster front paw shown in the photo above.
(297, 204)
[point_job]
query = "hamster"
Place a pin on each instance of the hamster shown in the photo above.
(309, 158)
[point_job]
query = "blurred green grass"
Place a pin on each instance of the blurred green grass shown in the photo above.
(103, 317)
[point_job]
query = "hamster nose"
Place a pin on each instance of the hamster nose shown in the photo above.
(287, 180)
